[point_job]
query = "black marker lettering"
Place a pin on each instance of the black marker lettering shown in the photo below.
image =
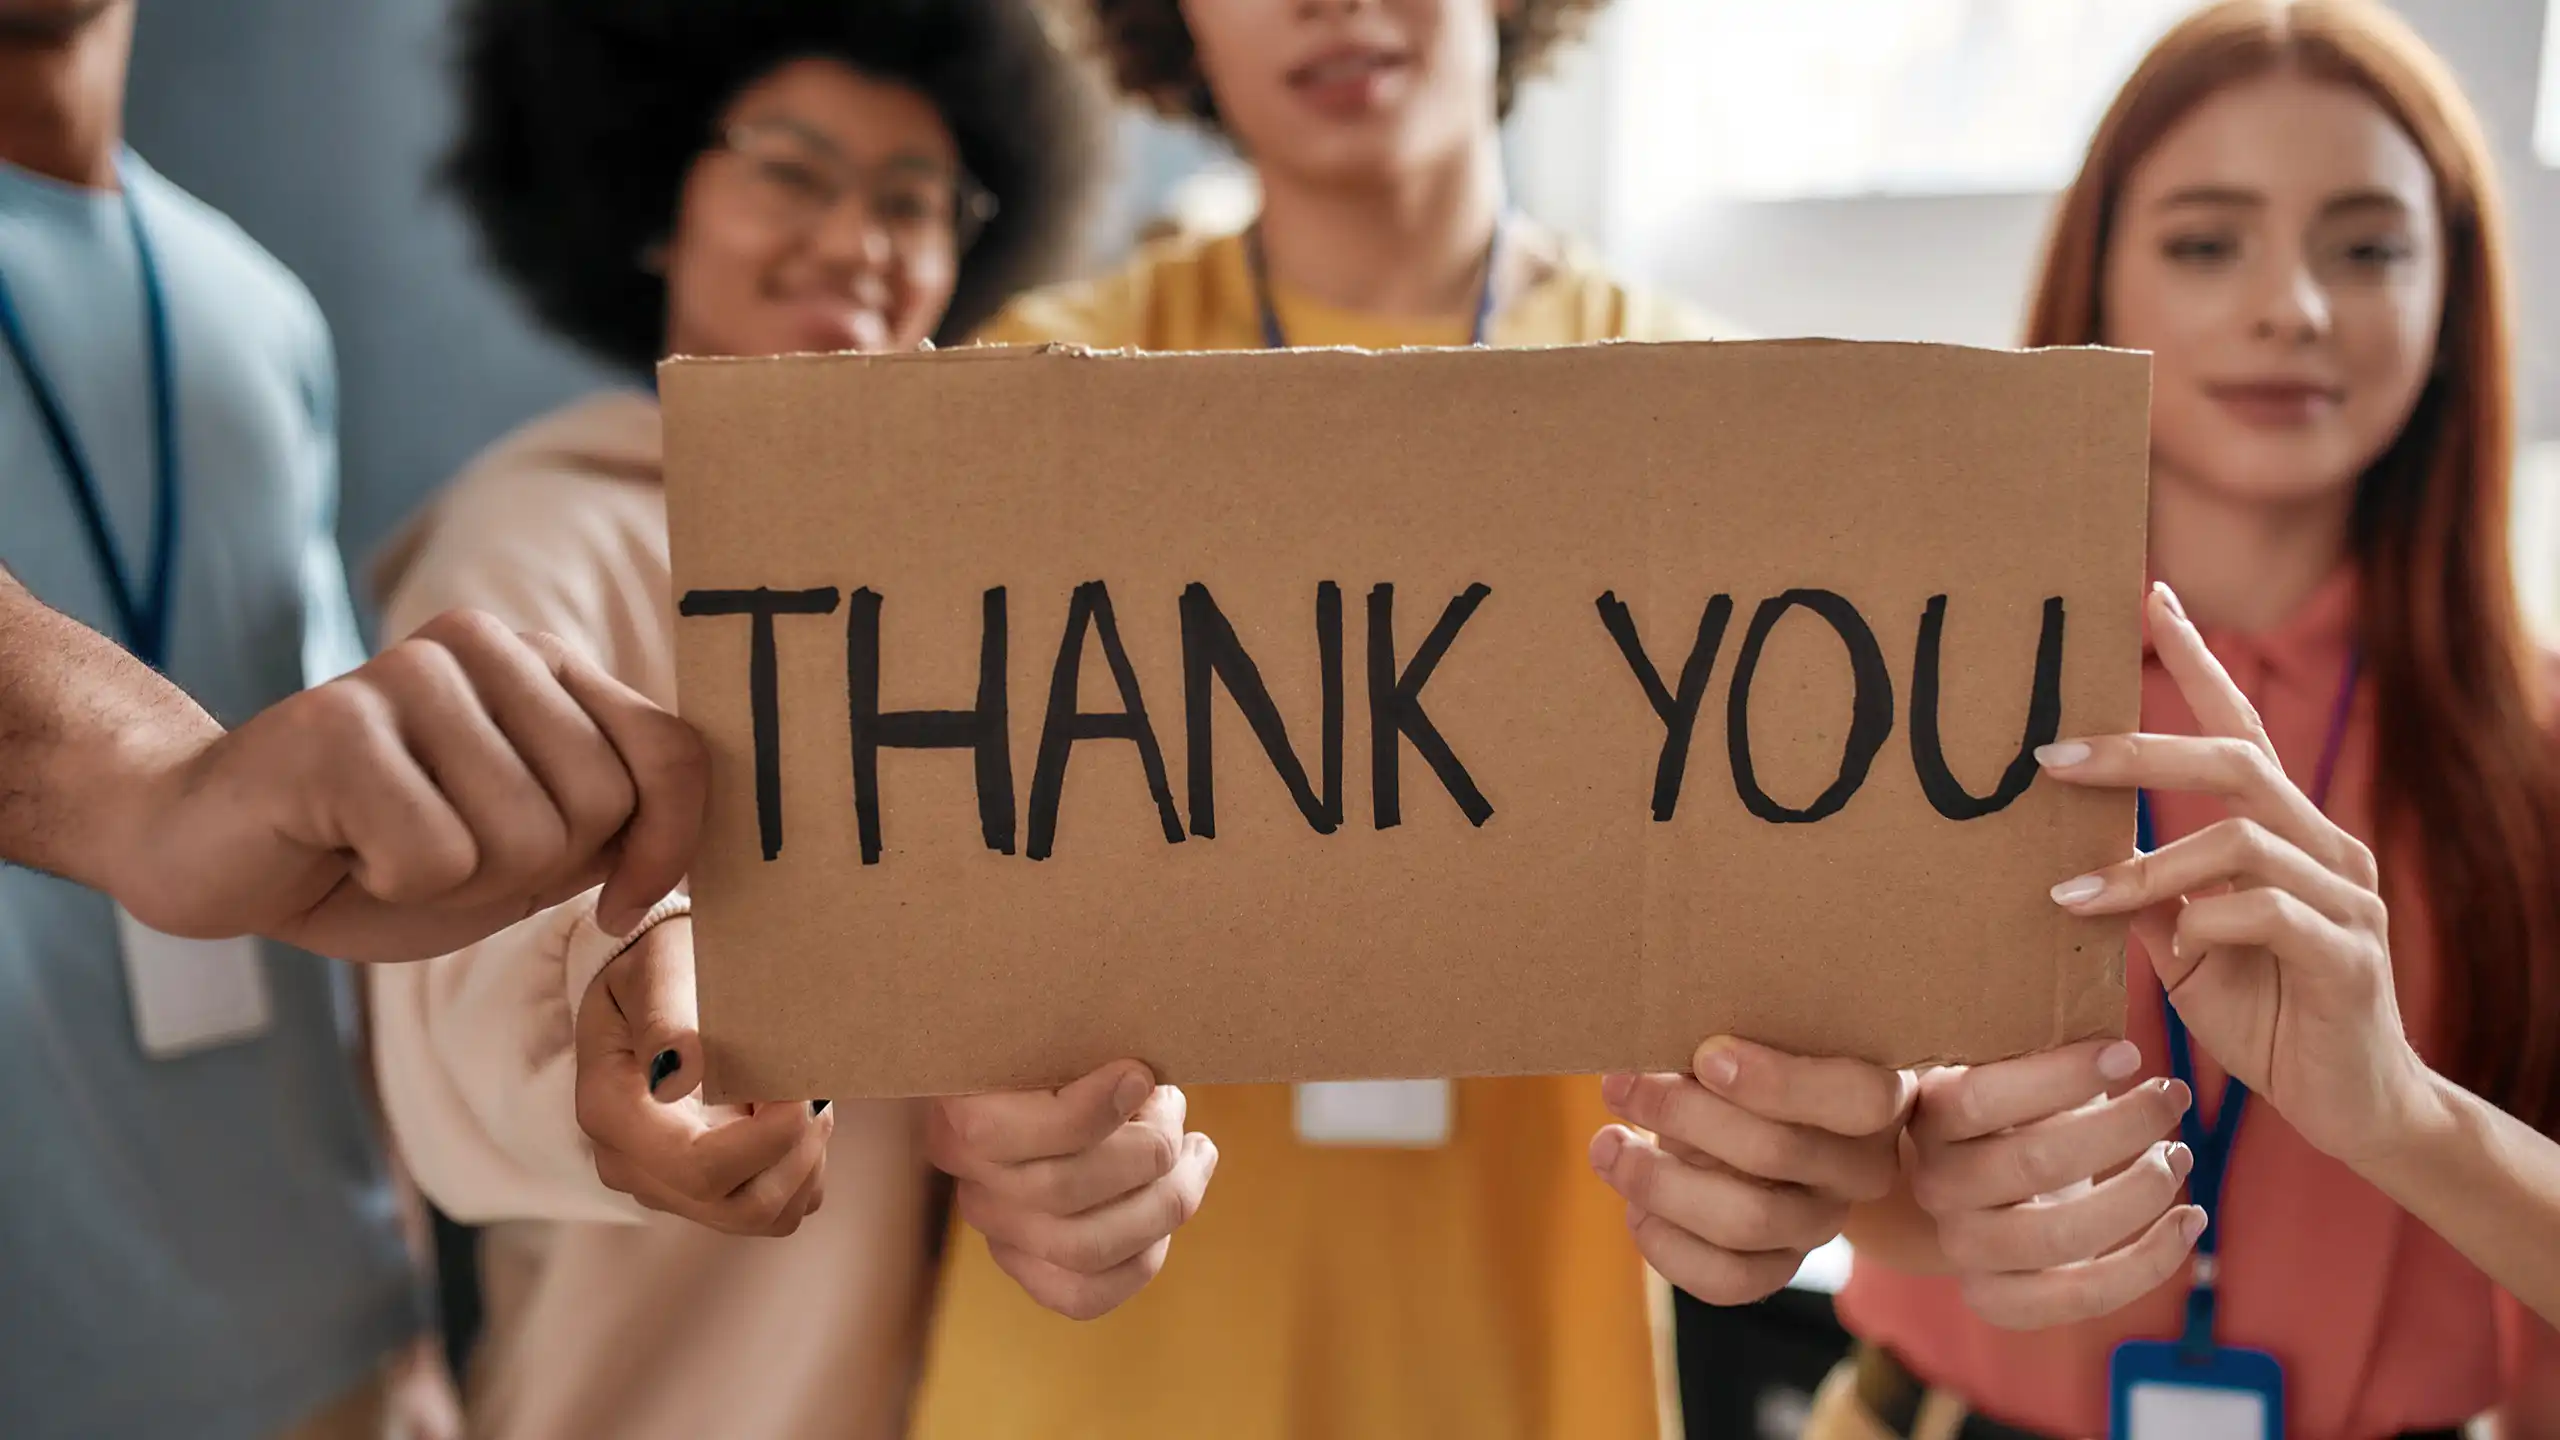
(1065, 724)
(2044, 717)
(764, 697)
(1210, 648)
(1679, 713)
(1395, 707)
(984, 729)
(1870, 706)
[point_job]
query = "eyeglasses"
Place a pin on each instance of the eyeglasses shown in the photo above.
(798, 179)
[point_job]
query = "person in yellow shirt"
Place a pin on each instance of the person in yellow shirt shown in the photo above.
(1419, 1259)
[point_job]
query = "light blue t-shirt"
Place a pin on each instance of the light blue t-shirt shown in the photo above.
(202, 1247)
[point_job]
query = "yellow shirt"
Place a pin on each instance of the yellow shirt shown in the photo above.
(1485, 1289)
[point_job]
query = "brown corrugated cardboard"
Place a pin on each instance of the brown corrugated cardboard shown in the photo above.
(1331, 715)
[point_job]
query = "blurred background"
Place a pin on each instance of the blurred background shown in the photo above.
(1869, 169)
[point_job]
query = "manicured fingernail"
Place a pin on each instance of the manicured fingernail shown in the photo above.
(2191, 1225)
(2120, 1060)
(1132, 1093)
(2180, 1097)
(2181, 1160)
(2170, 597)
(2062, 754)
(2074, 892)
(1616, 1088)
(819, 1107)
(660, 1068)
(1605, 1149)
(1716, 1065)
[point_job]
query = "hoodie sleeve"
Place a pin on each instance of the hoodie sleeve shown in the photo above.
(473, 1050)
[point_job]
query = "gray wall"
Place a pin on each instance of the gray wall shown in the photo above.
(313, 122)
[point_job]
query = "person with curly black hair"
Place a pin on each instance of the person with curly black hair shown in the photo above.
(734, 177)
(1423, 1258)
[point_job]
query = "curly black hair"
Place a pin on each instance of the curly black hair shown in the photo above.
(1148, 47)
(580, 119)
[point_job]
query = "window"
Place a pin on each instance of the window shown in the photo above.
(1754, 100)
(2546, 125)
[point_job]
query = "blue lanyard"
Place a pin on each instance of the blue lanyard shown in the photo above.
(1274, 338)
(142, 612)
(2211, 1143)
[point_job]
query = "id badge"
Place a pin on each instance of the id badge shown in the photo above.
(2160, 1390)
(192, 995)
(1389, 1114)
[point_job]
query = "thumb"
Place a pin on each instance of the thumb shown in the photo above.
(2156, 928)
(651, 987)
(670, 773)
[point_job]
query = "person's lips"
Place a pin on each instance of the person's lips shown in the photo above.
(1348, 80)
(2277, 404)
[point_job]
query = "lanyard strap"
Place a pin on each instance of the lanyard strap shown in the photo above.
(2212, 1141)
(142, 611)
(1274, 338)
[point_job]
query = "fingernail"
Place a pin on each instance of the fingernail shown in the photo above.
(1132, 1093)
(2179, 1095)
(2181, 1160)
(819, 1107)
(2120, 1060)
(2075, 892)
(1716, 1065)
(2191, 1225)
(1605, 1149)
(660, 1068)
(1616, 1088)
(2161, 588)
(2062, 754)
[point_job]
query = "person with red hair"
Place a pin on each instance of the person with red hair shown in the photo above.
(2291, 206)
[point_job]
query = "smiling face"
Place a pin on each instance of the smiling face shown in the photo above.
(828, 217)
(2280, 252)
(1351, 91)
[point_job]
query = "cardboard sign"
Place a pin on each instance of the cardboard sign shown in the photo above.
(1329, 715)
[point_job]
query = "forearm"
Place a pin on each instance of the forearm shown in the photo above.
(2487, 1183)
(83, 726)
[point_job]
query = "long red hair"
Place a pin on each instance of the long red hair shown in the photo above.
(2467, 777)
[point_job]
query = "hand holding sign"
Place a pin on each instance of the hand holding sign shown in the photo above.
(2035, 1176)
(2267, 929)
(1078, 1190)
(457, 782)
(746, 1170)
(1760, 1157)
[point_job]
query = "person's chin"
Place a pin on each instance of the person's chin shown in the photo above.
(2287, 469)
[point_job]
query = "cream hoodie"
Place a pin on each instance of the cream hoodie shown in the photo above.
(605, 1319)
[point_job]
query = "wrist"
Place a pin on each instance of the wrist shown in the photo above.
(2428, 1117)
(131, 788)
(668, 922)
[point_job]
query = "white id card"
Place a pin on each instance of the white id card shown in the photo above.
(1396, 1114)
(191, 995)
(2184, 1412)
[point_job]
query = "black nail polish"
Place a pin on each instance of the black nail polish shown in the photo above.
(660, 1068)
(819, 1107)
